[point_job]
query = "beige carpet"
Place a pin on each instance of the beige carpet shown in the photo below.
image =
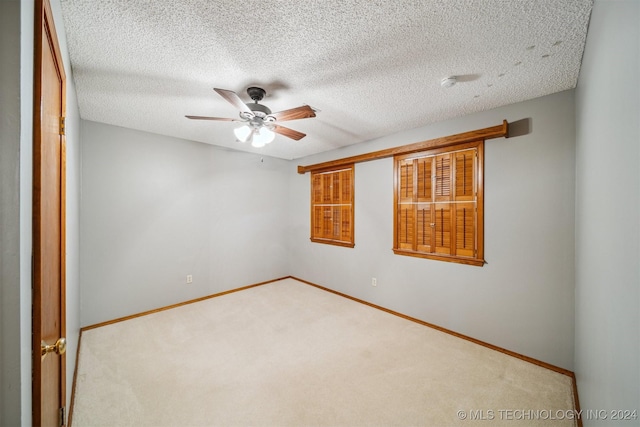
(289, 354)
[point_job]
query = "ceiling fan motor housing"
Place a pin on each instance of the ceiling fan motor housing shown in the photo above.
(259, 109)
(257, 94)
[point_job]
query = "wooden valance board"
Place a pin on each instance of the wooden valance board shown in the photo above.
(474, 135)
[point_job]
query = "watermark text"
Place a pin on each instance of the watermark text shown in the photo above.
(547, 414)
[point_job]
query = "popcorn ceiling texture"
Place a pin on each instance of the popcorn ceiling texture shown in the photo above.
(372, 68)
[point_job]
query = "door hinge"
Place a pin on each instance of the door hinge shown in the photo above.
(62, 125)
(62, 414)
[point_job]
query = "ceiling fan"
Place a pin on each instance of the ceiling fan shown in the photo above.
(259, 122)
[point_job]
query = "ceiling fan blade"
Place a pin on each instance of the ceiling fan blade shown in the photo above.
(303, 112)
(289, 133)
(233, 99)
(224, 119)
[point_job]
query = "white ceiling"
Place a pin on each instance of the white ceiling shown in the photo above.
(371, 67)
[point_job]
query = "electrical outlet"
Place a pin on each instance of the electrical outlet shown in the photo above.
(374, 281)
(189, 278)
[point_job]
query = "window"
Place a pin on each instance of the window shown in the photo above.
(332, 206)
(438, 199)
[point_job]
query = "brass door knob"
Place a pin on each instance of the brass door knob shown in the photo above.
(58, 348)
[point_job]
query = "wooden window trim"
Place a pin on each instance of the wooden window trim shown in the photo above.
(349, 241)
(478, 259)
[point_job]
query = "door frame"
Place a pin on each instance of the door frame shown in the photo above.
(44, 25)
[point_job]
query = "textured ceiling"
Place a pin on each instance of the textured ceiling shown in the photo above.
(371, 68)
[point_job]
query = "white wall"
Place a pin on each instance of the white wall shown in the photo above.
(10, 362)
(156, 208)
(26, 182)
(607, 338)
(522, 299)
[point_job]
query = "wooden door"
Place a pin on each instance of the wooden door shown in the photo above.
(49, 385)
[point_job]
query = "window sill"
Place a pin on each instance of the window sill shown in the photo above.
(460, 260)
(333, 242)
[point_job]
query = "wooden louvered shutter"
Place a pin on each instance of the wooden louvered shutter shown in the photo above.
(316, 189)
(442, 206)
(465, 219)
(439, 204)
(406, 181)
(465, 171)
(332, 207)
(406, 232)
(405, 216)
(442, 229)
(424, 209)
(443, 178)
(346, 206)
(327, 181)
(465, 206)
(319, 195)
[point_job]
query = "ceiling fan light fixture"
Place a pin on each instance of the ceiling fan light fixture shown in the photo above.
(243, 133)
(269, 134)
(257, 143)
(262, 137)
